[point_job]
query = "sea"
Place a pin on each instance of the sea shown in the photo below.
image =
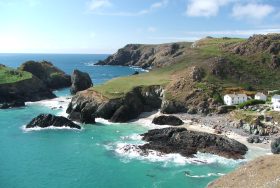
(95, 156)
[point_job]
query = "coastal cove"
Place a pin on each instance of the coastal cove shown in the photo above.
(95, 156)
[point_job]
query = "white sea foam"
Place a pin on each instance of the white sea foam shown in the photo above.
(60, 103)
(47, 128)
(138, 69)
(204, 176)
(133, 137)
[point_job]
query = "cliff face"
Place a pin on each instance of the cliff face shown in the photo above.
(87, 105)
(53, 77)
(32, 89)
(147, 56)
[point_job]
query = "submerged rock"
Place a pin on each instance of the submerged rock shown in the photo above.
(47, 120)
(80, 81)
(168, 120)
(188, 143)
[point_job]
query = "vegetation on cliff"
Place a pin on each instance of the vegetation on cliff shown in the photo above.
(9, 75)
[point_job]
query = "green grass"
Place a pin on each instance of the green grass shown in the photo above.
(9, 75)
(118, 87)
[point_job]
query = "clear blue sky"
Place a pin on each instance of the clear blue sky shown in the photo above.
(103, 26)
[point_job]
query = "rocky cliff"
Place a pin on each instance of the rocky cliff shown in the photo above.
(51, 76)
(147, 56)
(87, 105)
(32, 89)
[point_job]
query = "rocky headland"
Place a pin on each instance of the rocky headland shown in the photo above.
(87, 105)
(32, 81)
(147, 56)
(50, 75)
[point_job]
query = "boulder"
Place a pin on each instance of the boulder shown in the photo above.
(254, 139)
(80, 81)
(168, 120)
(188, 143)
(275, 146)
(47, 120)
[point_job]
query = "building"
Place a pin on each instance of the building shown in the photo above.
(276, 102)
(260, 96)
(233, 99)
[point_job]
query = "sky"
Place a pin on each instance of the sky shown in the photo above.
(103, 26)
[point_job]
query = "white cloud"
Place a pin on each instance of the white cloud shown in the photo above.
(252, 11)
(98, 4)
(151, 8)
(205, 8)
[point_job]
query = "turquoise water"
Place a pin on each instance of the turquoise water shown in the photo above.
(91, 157)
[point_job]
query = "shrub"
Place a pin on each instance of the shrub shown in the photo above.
(251, 103)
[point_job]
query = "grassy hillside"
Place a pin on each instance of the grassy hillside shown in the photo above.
(9, 75)
(244, 72)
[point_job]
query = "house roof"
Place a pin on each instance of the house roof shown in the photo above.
(276, 97)
(260, 94)
(236, 95)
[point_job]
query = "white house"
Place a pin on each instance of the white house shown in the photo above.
(233, 99)
(260, 96)
(276, 102)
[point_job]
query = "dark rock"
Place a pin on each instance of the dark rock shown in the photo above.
(188, 143)
(80, 81)
(275, 62)
(50, 75)
(275, 146)
(13, 104)
(135, 73)
(168, 120)
(15, 94)
(47, 120)
(172, 107)
(254, 139)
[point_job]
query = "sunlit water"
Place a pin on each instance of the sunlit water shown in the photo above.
(93, 156)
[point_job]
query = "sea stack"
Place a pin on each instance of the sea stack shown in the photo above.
(80, 81)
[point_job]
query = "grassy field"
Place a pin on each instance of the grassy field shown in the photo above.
(9, 75)
(117, 88)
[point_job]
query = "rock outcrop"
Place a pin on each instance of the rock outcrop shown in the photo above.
(188, 93)
(48, 120)
(258, 43)
(147, 56)
(16, 93)
(275, 146)
(50, 75)
(87, 105)
(80, 81)
(188, 143)
(261, 172)
(168, 120)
